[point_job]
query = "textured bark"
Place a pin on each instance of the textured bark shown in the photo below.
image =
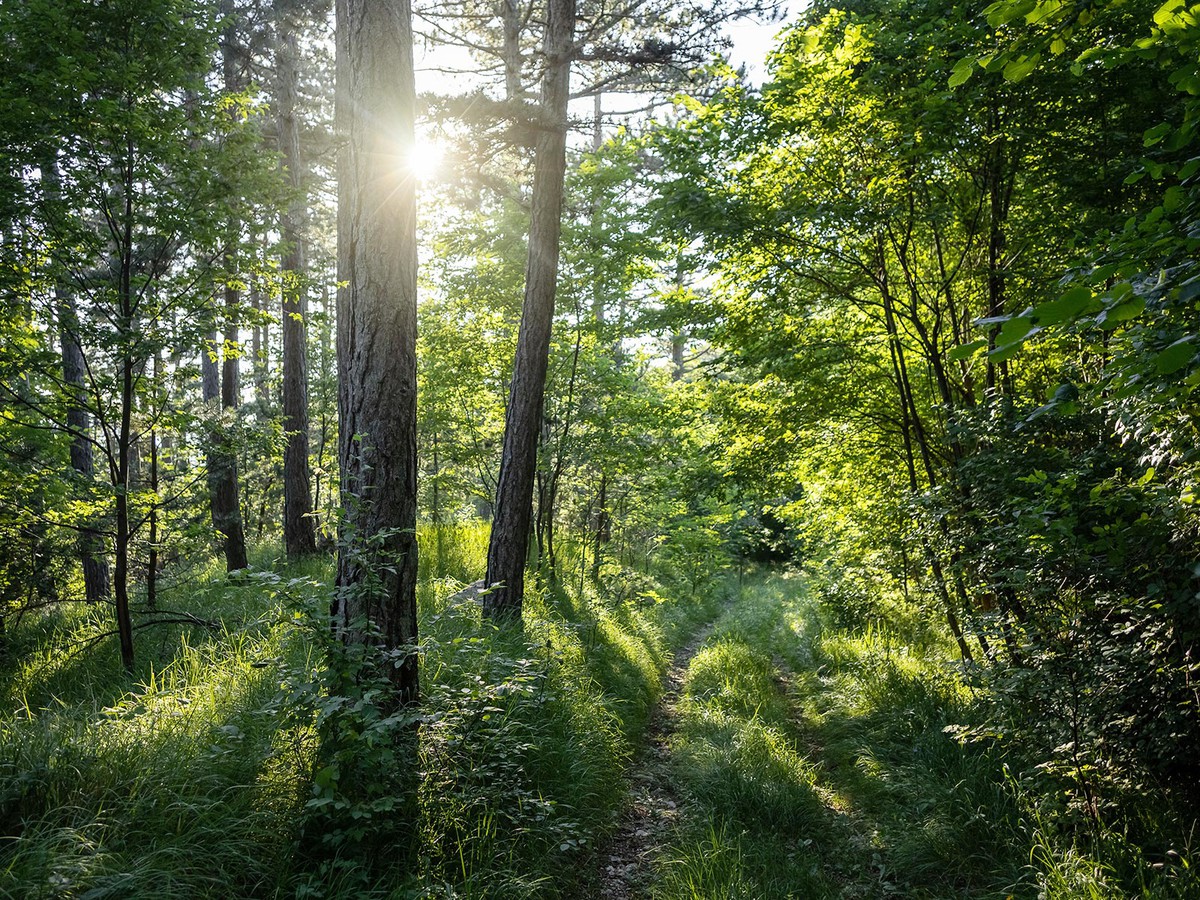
(127, 324)
(510, 16)
(299, 534)
(222, 463)
(377, 332)
(509, 543)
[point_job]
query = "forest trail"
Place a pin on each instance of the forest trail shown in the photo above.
(627, 863)
(750, 780)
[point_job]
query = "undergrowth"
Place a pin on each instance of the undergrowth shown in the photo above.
(208, 773)
(824, 759)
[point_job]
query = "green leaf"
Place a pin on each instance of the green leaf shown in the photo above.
(1007, 352)
(1066, 393)
(963, 70)
(1019, 68)
(1122, 312)
(1065, 309)
(1005, 12)
(1175, 357)
(1155, 134)
(1190, 290)
(1016, 329)
(1166, 12)
(965, 350)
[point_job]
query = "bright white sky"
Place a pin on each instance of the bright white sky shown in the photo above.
(752, 41)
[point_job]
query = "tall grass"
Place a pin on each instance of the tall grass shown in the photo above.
(177, 782)
(818, 759)
(195, 776)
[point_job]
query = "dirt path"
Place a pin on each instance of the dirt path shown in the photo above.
(627, 862)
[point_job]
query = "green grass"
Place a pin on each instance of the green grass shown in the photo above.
(193, 777)
(823, 761)
(178, 781)
(813, 761)
(818, 760)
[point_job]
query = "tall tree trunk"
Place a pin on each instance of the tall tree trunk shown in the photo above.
(299, 535)
(603, 527)
(259, 364)
(227, 472)
(325, 359)
(220, 459)
(127, 323)
(998, 182)
(91, 543)
(509, 540)
(377, 331)
(152, 521)
(222, 470)
(510, 18)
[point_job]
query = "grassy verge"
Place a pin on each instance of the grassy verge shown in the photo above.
(196, 776)
(820, 762)
(818, 765)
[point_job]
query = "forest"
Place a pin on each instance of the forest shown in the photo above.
(457, 449)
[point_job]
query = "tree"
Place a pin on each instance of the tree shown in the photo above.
(377, 320)
(133, 224)
(509, 542)
(299, 532)
(627, 46)
(91, 542)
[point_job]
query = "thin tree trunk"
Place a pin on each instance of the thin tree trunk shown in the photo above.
(377, 332)
(509, 542)
(223, 470)
(327, 355)
(127, 324)
(998, 184)
(602, 527)
(910, 428)
(227, 485)
(152, 560)
(222, 490)
(299, 535)
(510, 16)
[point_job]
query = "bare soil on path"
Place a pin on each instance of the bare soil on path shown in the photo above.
(627, 862)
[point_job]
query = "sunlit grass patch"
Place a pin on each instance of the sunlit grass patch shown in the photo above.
(719, 863)
(746, 772)
(945, 820)
(529, 733)
(172, 789)
(754, 815)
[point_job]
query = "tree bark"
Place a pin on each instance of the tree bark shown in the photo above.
(299, 533)
(509, 542)
(510, 17)
(128, 326)
(222, 468)
(375, 598)
(222, 489)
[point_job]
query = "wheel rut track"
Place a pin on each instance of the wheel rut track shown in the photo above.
(627, 860)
